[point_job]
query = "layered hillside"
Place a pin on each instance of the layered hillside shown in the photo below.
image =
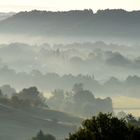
(103, 23)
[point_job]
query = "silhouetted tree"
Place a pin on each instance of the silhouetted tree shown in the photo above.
(32, 95)
(28, 97)
(42, 136)
(106, 127)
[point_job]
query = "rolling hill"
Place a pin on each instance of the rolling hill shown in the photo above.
(17, 124)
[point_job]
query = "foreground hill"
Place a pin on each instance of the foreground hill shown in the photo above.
(104, 23)
(17, 124)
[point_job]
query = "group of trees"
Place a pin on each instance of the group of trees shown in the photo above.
(79, 101)
(112, 86)
(91, 58)
(106, 127)
(28, 97)
(32, 97)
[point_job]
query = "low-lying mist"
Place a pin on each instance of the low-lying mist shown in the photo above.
(107, 69)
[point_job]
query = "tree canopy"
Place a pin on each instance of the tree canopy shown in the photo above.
(106, 127)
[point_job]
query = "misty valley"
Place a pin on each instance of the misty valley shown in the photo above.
(70, 75)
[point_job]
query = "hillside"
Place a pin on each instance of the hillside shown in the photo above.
(23, 124)
(103, 23)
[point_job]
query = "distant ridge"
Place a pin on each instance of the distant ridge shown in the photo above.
(6, 15)
(103, 23)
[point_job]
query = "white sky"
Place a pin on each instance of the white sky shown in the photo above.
(22, 5)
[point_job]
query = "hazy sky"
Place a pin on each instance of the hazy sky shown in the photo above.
(20, 5)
